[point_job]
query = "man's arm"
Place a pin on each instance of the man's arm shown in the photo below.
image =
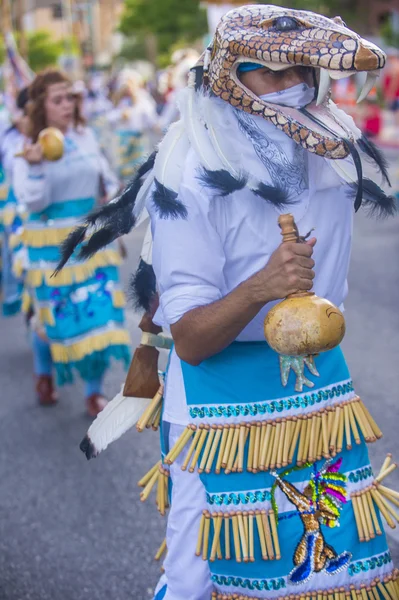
(207, 330)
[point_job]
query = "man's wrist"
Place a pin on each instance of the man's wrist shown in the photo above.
(256, 290)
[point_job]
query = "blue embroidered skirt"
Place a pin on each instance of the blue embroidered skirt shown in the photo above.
(293, 505)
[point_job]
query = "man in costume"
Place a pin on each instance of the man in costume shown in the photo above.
(264, 463)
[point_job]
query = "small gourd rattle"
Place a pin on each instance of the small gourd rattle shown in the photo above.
(302, 325)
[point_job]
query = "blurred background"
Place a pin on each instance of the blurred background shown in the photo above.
(72, 530)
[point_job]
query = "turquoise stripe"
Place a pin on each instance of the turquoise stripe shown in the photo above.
(47, 253)
(92, 366)
(44, 292)
(64, 210)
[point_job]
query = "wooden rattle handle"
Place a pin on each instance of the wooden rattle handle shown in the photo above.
(288, 227)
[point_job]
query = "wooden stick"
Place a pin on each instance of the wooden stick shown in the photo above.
(217, 523)
(199, 447)
(265, 445)
(373, 513)
(207, 527)
(383, 474)
(251, 536)
(363, 592)
(145, 417)
(287, 441)
(227, 449)
(262, 441)
(334, 434)
(277, 437)
(276, 543)
(388, 506)
(161, 550)
(387, 495)
(192, 447)
(270, 449)
(255, 465)
(367, 513)
(243, 537)
(306, 447)
(357, 518)
(386, 462)
(378, 500)
(347, 428)
(388, 491)
(215, 444)
(279, 461)
(268, 535)
(227, 536)
(251, 447)
(144, 480)
(297, 430)
(204, 459)
(261, 534)
(198, 549)
(341, 427)
(241, 447)
(376, 430)
(363, 423)
(233, 450)
(304, 427)
(324, 427)
(221, 449)
(382, 589)
(363, 517)
(353, 425)
(157, 419)
(148, 488)
(236, 537)
(179, 445)
(313, 433)
(353, 592)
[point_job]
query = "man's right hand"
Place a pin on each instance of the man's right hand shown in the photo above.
(289, 270)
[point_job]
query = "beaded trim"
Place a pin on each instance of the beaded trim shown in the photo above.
(369, 564)
(250, 584)
(228, 498)
(254, 409)
(361, 474)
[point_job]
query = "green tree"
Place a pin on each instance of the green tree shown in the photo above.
(43, 50)
(170, 21)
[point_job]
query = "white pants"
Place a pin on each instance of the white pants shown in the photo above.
(188, 577)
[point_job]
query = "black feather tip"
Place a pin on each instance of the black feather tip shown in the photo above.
(87, 447)
(375, 154)
(167, 204)
(221, 181)
(69, 245)
(375, 200)
(359, 171)
(143, 287)
(276, 195)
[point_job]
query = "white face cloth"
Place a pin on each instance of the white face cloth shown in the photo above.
(296, 96)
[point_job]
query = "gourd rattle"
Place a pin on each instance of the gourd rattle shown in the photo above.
(302, 325)
(51, 140)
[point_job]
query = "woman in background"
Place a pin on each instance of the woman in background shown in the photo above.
(79, 313)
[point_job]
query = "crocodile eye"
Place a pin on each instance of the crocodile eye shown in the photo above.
(286, 24)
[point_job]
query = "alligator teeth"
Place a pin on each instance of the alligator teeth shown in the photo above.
(324, 86)
(368, 86)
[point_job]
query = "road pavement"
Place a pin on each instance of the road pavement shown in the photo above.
(73, 530)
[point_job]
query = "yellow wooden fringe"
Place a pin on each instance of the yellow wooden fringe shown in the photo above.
(14, 240)
(73, 273)
(18, 267)
(273, 444)
(151, 417)
(26, 302)
(156, 476)
(386, 589)
(238, 529)
(93, 343)
(161, 550)
(3, 192)
(46, 316)
(45, 236)
(118, 299)
(376, 497)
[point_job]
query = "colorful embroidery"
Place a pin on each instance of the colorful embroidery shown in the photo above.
(250, 584)
(361, 474)
(238, 498)
(369, 564)
(319, 504)
(258, 409)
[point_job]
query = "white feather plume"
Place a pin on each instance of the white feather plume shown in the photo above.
(139, 205)
(146, 250)
(171, 156)
(120, 415)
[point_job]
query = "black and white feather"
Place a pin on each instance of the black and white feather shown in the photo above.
(375, 200)
(221, 181)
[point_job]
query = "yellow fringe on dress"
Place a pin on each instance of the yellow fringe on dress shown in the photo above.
(46, 316)
(46, 236)
(62, 353)
(74, 273)
(15, 240)
(118, 299)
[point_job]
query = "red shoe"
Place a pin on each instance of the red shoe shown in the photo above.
(95, 404)
(46, 394)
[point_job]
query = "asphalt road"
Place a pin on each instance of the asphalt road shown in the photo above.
(72, 530)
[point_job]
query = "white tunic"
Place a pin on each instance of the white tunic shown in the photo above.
(224, 241)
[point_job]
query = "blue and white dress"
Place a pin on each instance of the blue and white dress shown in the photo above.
(80, 309)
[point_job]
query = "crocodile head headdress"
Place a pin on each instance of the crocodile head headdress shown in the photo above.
(280, 38)
(276, 38)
